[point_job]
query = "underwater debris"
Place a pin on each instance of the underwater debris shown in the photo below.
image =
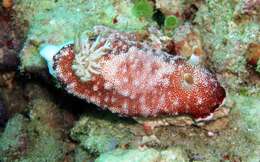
(131, 79)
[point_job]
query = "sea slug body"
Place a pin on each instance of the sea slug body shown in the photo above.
(126, 76)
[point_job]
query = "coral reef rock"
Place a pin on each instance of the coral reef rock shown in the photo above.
(49, 24)
(12, 33)
(144, 155)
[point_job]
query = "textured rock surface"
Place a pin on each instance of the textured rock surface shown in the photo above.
(249, 108)
(144, 155)
(12, 34)
(102, 133)
(39, 135)
(226, 34)
(12, 141)
(49, 24)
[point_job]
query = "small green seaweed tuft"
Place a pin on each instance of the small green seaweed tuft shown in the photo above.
(171, 22)
(142, 9)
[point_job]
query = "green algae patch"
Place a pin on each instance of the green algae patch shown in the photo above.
(37, 136)
(143, 9)
(30, 60)
(225, 39)
(47, 148)
(81, 155)
(144, 155)
(171, 22)
(99, 135)
(47, 145)
(249, 109)
(11, 146)
(147, 155)
(21, 141)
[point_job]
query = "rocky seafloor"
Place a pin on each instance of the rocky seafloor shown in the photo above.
(40, 122)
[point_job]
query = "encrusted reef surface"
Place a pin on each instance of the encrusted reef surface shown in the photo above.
(40, 121)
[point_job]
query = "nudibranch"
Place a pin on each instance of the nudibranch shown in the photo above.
(118, 72)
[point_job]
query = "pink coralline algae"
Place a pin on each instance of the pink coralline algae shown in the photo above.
(124, 75)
